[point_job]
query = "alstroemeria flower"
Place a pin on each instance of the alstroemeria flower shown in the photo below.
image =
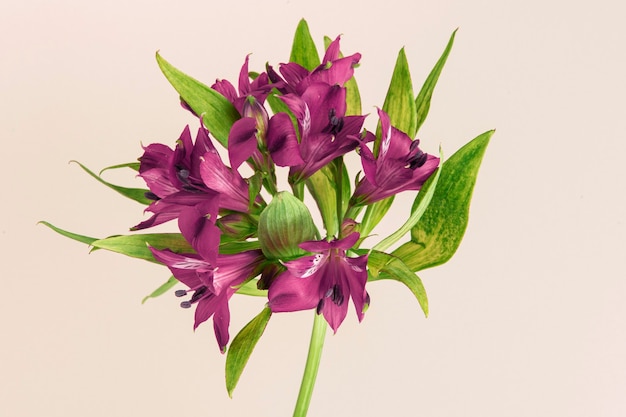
(212, 285)
(325, 132)
(401, 165)
(325, 281)
(332, 71)
(259, 88)
(173, 176)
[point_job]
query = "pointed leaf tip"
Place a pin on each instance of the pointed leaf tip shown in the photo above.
(242, 346)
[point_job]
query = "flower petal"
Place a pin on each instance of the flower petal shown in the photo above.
(282, 142)
(241, 141)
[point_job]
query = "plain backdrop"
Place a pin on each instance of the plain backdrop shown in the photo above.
(528, 319)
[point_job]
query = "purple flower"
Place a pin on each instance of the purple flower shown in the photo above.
(401, 165)
(325, 132)
(173, 176)
(211, 285)
(259, 88)
(325, 281)
(332, 71)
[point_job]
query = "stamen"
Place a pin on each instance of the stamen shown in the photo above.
(320, 306)
(185, 304)
(151, 196)
(197, 295)
(337, 295)
(182, 174)
(180, 293)
(335, 124)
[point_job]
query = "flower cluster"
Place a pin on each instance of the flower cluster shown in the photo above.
(214, 204)
(242, 231)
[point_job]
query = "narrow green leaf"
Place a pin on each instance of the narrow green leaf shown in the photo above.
(135, 246)
(399, 102)
(242, 346)
(136, 194)
(230, 248)
(353, 96)
(438, 234)
(384, 266)
(323, 188)
(424, 199)
(303, 50)
(218, 114)
(162, 289)
(373, 215)
(132, 165)
(422, 101)
(80, 238)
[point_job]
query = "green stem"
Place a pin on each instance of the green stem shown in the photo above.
(312, 365)
(339, 192)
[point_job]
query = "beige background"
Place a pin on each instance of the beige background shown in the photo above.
(527, 320)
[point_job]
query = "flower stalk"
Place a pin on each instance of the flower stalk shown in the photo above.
(314, 356)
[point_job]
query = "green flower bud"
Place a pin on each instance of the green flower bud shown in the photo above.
(238, 226)
(284, 224)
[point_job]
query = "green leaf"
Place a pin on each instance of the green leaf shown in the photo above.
(399, 102)
(438, 234)
(353, 96)
(384, 266)
(230, 248)
(422, 202)
(218, 114)
(80, 238)
(373, 215)
(303, 50)
(242, 346)
(135, 246)
(162, 289)
(132, 165)
(136, 194)
(422, 101)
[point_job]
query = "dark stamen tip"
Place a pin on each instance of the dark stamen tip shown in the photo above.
(180, 293)
(185, 304)
(320, 306)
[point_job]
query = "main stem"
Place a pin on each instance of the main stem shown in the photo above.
(312, 365)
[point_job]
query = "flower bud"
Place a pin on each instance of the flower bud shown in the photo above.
(254, 109)
(238, 226)
(284, 224)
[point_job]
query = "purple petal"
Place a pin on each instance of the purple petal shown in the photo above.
(332, 52)
(282, 142)
(244, 79)
(233, 270)
(225, 88)
(206, 308)
(221, 321)
(197, 224)
(222, 179)
(241, 141)
(290, 293)
(293, 73)
(369, 164)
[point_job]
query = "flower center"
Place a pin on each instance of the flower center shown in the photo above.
(198, 293)
(416, 157)
(335, 124)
